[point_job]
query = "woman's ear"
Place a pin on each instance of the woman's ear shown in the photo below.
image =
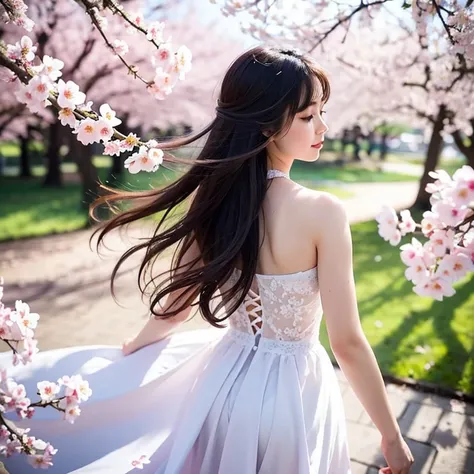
(267, 133)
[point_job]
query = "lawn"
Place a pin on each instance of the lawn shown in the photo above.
(396, 320)
(28, 210)
(350, 173)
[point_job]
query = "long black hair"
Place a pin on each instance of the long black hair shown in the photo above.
(224, 187)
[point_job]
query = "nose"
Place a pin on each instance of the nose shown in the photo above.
(321, 127)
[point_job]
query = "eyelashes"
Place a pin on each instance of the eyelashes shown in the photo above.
(310, 117)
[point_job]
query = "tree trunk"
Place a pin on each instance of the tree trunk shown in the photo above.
(467, 151)
(383, 146)
(356, 152)
(435, 146)
(25, 165)
(53, 176)
(116, 170)
(370, 143)
(82, 156)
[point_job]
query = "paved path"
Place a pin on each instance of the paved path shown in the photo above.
(68, 285)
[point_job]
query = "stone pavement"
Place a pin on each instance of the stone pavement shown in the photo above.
(67, 283)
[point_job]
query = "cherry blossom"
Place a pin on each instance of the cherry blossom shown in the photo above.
(139, 463)
(108, 114)
(113, 148)
(448, 254)
(17, 329)
(156, 155)
(441, 241)
(164, 54)
(105, 129)
(436, 288)
(17, 15)
(69, 95)
(120, 47)
(155, 31)
(72, 412)
(130, 142)
(23, 50)
(454, 267)
(26, 355)
(311, 23)
(462, 193)
(388, 221)
(162, 85)
(67, 117)
(52, 67)
(48, 390)
(26, 95)
(24, 319)
(144, 160)
(76, 388)
(42, 90)
(183, 62)
(39, 88)
(88, 131)
(408, 224)
(40, 461)
(449, 213)
(430, 222)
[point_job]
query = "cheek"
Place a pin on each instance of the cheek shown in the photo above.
(298, 135)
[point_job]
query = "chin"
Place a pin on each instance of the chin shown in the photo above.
(310, 159)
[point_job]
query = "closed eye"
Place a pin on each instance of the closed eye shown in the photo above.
(310, 117)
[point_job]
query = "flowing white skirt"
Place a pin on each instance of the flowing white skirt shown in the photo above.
(198, 402)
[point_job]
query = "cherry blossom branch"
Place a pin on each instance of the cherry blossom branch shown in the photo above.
(8, 343)
(440, 16)
(8, 8)
(25, 77)
(19, 72)
(469, 220)
(133, 70)
(448, 254)
(16, 435)
(345, 19)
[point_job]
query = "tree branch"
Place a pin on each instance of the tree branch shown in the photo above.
(347, 18)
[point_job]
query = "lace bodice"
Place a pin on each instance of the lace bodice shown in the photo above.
(285, 307)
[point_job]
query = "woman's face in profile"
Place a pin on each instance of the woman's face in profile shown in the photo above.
(304, 138)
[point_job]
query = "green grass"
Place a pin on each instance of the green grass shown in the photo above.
(29, 210)
(9, 149)
(409, 320)
(350, 173)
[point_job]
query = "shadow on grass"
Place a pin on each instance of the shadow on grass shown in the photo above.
(449, 367)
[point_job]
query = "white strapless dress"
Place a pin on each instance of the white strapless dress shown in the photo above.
(260, 396)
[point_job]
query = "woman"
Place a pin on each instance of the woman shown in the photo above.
(261, 257)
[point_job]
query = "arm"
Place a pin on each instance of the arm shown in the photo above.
(348, 342)
(157, 329)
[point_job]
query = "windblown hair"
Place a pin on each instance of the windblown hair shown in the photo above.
(224, 187)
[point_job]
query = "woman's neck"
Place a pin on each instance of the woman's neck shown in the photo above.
(279, 165)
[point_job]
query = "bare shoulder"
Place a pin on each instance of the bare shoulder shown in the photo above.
(324, 212)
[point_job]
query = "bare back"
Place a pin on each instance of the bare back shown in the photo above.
(287, 228)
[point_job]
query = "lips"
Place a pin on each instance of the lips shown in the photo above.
(317, 145)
